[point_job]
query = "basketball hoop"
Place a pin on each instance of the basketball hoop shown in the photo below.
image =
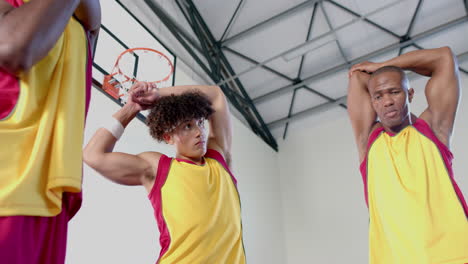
(127, 70)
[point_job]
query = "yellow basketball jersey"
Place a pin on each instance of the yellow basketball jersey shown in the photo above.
(417, 213)
(42, 135)
(197, 208)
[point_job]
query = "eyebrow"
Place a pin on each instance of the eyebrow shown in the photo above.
(388, 89)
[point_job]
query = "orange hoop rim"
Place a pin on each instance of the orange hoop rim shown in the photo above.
(116, 66)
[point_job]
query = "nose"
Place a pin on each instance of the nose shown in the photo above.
(199, 131)
(388, 101)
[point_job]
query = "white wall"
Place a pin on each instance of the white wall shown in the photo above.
(325, 216)
(116, 223)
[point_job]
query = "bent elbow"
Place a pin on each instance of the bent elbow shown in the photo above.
(219, 92)
(447, 53)
(449, 59)
(89, 159)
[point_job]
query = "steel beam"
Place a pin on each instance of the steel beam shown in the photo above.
(157, 10)
(376, 53)
(240, 55)
(327, 19)
(312, 40)
(319, 108)
(365, 18)
(312, 18)
(168, 22)
(221, 69)
(183, 12)
(413, 19)
(180, 30)
(411, 24)
(174, 30)
(277, 73)
(268, 22)
(289, 113)
(234, 15)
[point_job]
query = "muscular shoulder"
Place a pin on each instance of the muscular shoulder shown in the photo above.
(152, 158)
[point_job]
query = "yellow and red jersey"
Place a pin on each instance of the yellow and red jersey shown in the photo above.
(417, 212)
(197, 208)
(42, 116)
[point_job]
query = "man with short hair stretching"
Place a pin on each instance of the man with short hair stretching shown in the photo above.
(417, 212)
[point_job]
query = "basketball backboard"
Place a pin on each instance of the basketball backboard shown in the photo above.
(121, 30)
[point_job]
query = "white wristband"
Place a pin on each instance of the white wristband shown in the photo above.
(114, 127)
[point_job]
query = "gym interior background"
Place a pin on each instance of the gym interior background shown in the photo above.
(283, 67)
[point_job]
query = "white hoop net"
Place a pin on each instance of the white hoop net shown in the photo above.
(138, 64)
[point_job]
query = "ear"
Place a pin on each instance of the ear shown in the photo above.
(168, 138)
(410, 94)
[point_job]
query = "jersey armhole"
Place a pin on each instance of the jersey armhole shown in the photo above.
(214, 154)
(161, 175)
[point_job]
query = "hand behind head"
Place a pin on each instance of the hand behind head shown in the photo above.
(366, 66)
(144, 94)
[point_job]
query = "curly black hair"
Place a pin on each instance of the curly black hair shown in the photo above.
(169, 111)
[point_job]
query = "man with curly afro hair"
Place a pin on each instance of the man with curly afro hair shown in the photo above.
(194, 194)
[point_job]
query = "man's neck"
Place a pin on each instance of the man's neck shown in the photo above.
(197, 160)
(410, 118)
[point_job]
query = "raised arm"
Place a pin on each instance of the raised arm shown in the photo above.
(360, 110)
(220, 137)
(29, 32)
(442, 90)
(122, 168)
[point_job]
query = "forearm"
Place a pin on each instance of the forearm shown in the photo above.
(126, 114)
(360, 110)
(358, 83)
(103, 141)
(29, 32)
(424, 62)
(210, 91)
(359, 100)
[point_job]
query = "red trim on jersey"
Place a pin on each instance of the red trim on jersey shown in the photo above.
(211, 153)
(363, 167)
(189, 161)
(447, 156)
(9, 84)
(15, 3)
(156, 200)
(9, 93)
